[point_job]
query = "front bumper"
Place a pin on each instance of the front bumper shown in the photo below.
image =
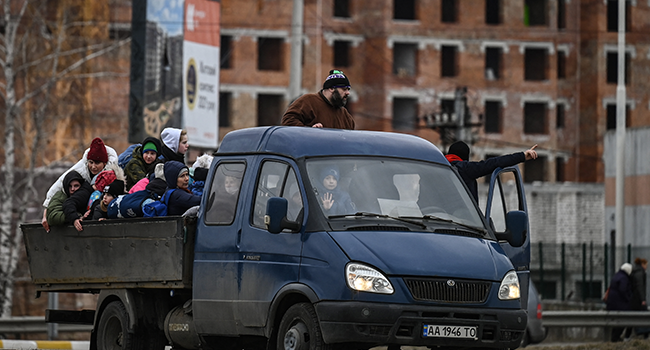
(379, 324)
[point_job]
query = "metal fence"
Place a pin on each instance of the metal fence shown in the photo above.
(578, 272)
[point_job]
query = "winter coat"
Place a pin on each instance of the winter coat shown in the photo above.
(310, 109)
(620, 292)
(76, 205)
(140, 185)
(82, 168)
(638, 280)
(470, 171)
(137, 168)
(182, 199)
(342, 201)
(55, 214)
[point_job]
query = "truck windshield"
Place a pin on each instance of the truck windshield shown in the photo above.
(391, 187)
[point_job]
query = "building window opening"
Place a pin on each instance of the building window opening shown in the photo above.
(225, 99)
(492, 123)
(492, 11)
(405, 113)
(561, 14)
(535, 170)
(535, 13)
(559, 169)
(269, 109)
(559, 116)
(493, 57)
(449, 11)
(611, 116)
(404, 59)
(270, 55)
(612, 68)
(342, 8)
(612, 16)
(535, 118)
(226, 52)
(536, 62)
(341, 54)
(561, 65)
(449, 61)
(404, 9)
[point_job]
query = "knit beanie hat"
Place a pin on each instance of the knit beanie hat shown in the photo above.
(460, 149)
(97, 151)
(334, 171)
(116, 188)
(149, 146)
(336, 78)
(173, 170)
(104, 179)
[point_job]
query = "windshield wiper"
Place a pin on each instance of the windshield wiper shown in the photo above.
(375, 215)
(436, 218)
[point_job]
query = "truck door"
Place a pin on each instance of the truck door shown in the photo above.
(215, 273)
(506, 194)
(268, 261)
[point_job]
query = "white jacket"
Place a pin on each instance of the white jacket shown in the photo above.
(82, 168)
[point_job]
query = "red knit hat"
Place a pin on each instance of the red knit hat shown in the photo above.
(97, 151)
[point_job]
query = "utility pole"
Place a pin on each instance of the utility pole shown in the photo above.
(454, 126)
(620, 128)
(295, 82)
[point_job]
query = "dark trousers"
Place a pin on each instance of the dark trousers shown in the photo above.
(618, 331)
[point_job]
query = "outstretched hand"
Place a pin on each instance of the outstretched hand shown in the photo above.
(531, 153)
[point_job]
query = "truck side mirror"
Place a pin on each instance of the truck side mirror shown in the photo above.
(516, 228)
(276, 216)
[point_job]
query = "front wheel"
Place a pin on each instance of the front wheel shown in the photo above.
(112, 331)
(299, 330)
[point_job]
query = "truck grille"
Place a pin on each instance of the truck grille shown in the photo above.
(448, 290)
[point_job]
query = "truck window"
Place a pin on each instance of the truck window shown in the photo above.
(224, 193)
(394, 187)
(277, 179)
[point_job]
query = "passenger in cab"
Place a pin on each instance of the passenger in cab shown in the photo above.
(93, 161)
(178, 177)
(334, 201)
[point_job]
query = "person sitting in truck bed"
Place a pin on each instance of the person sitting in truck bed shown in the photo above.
(71, 183)
(143, 160)
(112, 191)
(178, 178)
(174, 144)
(75, 207)
(93, 161)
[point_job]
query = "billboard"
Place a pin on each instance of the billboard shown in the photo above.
(201, 72)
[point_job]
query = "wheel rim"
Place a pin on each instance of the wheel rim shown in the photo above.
(297, 337)
(113, 334)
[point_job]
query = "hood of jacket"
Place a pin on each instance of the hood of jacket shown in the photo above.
(172, 169)
(69, 177)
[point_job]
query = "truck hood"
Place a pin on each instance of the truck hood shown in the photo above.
(425, 254)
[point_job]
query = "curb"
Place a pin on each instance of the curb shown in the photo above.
(44, 344)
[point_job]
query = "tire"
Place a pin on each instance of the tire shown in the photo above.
(112, 331)
(299, 330)
(525, 340)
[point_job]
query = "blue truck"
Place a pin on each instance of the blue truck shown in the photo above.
(397, 253)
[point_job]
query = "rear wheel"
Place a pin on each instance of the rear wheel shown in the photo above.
(299, 330)
(112, 331)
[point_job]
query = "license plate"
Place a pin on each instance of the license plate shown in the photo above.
(440, 331)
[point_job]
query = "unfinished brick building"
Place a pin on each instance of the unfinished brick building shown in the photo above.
(535, 71)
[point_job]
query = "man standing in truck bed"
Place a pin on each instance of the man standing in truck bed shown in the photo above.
(323, 109)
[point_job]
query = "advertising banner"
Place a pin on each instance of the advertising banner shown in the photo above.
(201, 72)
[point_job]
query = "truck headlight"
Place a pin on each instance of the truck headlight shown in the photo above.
(509, 288)
(367, 279)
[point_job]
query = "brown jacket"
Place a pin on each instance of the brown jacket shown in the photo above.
(310, 109)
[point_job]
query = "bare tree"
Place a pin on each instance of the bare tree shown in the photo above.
(46, 48)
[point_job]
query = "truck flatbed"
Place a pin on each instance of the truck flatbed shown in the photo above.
(111, 254)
